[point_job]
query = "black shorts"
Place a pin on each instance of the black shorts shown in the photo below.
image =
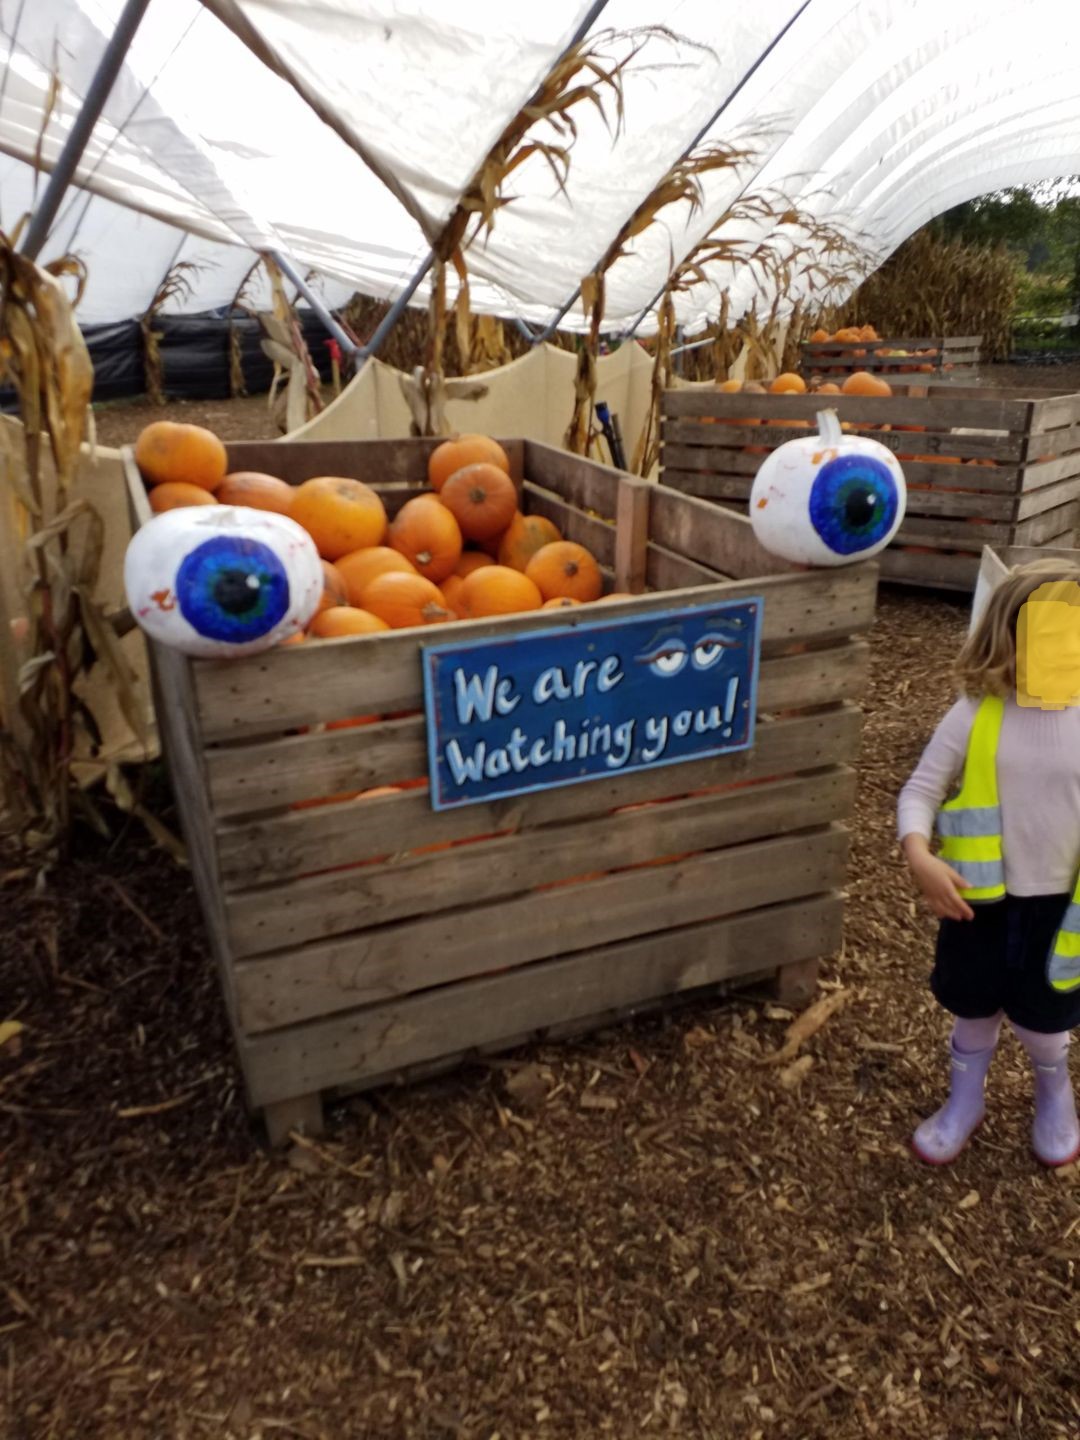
(998, 961)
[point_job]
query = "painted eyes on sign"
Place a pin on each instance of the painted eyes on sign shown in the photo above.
(670, 657)
(225, 581)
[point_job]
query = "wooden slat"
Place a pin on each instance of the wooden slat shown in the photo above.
(352, 1049)
(903, 342)
(1049, 497)
(283, 846)
(376, 462)
(291, 686)
(266, 775)
(712, 537)
(946, 572)
(596, 535)
(664, 570)
(698, 434)
(580, 482)
(1042, 529)
(1023, 555)
(283, 917)
(1062, 441)
(945, 503)
(936, 412)
(1048, 472)
(692, 459)
(1051, 413)
(929, 530)
(398, 959)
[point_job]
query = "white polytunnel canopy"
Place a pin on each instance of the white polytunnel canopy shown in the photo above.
(343, 133)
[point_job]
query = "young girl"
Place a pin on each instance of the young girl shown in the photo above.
(1003, 884)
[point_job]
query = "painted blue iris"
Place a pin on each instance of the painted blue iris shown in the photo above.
(853, 503)
(232, 589)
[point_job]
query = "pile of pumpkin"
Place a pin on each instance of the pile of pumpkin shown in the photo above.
(861, 382)
(462, 550)
(856, 334)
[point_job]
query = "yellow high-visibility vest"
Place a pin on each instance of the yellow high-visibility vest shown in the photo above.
(970, 828)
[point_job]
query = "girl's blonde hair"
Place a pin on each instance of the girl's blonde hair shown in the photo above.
(987, 663)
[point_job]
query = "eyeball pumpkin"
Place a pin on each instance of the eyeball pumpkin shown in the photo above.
(828, 499)
(219, 581)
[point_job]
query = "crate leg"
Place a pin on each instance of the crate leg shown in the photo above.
(303, 1113)
(795, 983)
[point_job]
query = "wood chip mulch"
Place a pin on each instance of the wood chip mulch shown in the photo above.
(648, 1232)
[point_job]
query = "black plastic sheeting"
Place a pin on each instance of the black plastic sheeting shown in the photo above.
(195, 356)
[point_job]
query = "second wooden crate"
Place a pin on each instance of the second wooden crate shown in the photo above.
(943, 357)
(982, 467)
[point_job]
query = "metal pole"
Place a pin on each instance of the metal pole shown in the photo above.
(393, 315)
(291, 273)
(554, 325)
(68, 160)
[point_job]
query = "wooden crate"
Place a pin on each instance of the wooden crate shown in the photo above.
(945, 357)
(994, 467)
(361, 941)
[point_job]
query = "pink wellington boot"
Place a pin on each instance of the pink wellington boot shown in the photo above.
(939, 1140)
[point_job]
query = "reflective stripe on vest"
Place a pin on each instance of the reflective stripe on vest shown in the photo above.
(1063, 971)
(970, 824)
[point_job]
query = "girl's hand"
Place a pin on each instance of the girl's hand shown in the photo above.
(938, 881)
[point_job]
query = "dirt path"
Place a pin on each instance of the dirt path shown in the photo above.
(715, 1255)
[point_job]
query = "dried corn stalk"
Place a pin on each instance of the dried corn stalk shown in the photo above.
(586, 75)
(51, 630)
(799, 250)
(294, 371)
(931, 286)
(177, 285)
(680, 185)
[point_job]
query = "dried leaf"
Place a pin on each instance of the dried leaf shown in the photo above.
(10, 1030)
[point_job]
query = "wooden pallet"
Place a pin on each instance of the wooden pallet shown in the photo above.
(943, 357)
(983, 467)
(364, 941)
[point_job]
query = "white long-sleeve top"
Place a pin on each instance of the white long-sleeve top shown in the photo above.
(1038, 773)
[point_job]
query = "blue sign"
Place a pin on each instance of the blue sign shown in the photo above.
(588, 700)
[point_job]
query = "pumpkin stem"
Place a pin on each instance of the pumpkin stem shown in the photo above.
(477, 496)
(423, 557)
(828, 423)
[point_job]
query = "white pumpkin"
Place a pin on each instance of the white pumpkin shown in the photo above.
(829, 498)
(222, 580)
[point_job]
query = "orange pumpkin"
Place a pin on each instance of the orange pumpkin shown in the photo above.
(452, 588)
(561, 602)
(827, 389)
(361, 567)
(189, 454)
(482, 499)
(334, 591)
(788, 384)
(819, 337)
(297, 639)
(498, 590)
(525, 535)
(615, 595)
(429, 537)
(345, 620)
(174, 494)
(863, 383)
(565, 568)
(453, 455)
(258, 492)
(340, 515)
(404, 601)
(729, 387)
(472, 560)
